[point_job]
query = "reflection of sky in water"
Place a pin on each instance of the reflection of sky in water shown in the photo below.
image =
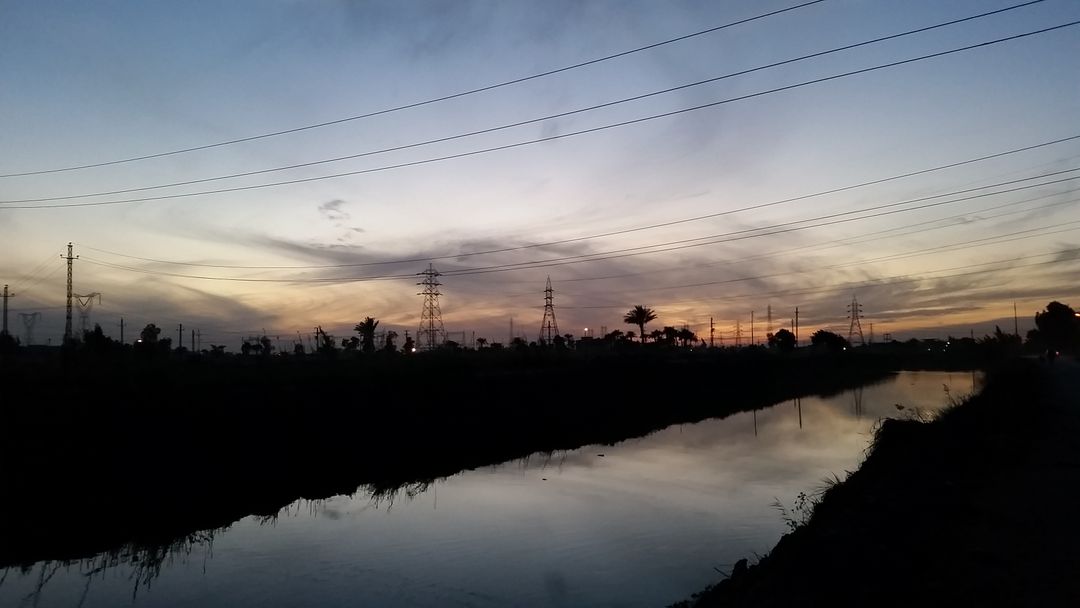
(642, 525)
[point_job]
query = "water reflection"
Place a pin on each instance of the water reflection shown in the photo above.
(644, 522)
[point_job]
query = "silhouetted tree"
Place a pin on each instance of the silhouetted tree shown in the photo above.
(615, 336)
(828, 340)
(388, 344)
(783, 341)
(1059, 327)
(150, 333)
(686, 336)
(366, 329)
(1000, 344)
(409, 346)
(640, 316)
(97, 342)
(298, 348)
(350, 344)
(480, 342)
(267, 345)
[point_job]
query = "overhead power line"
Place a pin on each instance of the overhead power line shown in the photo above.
(749, 233)
(755, 207)
(771, 230)
(518, 123)
(899, 279)
(875, 236)
(553, 137)
(427, 101)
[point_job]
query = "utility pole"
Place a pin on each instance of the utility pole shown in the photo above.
(67, 323)
(768, 322)
(738, 333)
(796, 326)
(7, 295)
(1015, 321)
(712, 333)
(121, 330)
(752, 342)
(180, 337)
(192, 343)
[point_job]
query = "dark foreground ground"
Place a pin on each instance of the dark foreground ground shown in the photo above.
(978, 508)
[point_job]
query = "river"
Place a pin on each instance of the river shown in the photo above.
(644, 522)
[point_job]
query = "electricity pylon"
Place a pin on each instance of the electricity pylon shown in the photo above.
(855, 327)
(549, 328)
(431, 333)
(86, 305)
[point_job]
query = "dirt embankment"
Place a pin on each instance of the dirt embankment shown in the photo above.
(978, 508)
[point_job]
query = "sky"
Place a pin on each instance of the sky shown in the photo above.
(754, 201)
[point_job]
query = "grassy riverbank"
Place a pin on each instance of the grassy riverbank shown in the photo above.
(975, 508)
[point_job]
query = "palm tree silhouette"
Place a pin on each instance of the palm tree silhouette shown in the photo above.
(366, 329)
(640, 315)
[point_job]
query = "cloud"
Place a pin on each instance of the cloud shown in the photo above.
(334, 210)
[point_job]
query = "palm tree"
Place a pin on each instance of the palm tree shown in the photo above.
(480, 342)
(639, 315)
(366, 329)
(686, 335)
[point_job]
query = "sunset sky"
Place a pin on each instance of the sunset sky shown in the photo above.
(88, 83)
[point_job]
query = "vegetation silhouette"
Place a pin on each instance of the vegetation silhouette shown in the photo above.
(640, 316)
(783, 341)
(366, 329)
(1057, 329)
(827, 340)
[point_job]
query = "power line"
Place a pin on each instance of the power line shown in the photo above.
(785, 227)
(831, 244)
(549, 138)
(523, 122)
(781, 228)
(604, 234)
(428, 101)
(881, 281)
(919, 252)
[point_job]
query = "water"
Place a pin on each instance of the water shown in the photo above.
(641, 523)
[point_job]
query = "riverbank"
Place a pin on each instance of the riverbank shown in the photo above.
(102, 455)
(975, 508)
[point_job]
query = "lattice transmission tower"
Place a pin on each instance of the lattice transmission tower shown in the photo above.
(431, 334)
(549, 327)
(855, 327)
(29, 320)
(86, 306)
